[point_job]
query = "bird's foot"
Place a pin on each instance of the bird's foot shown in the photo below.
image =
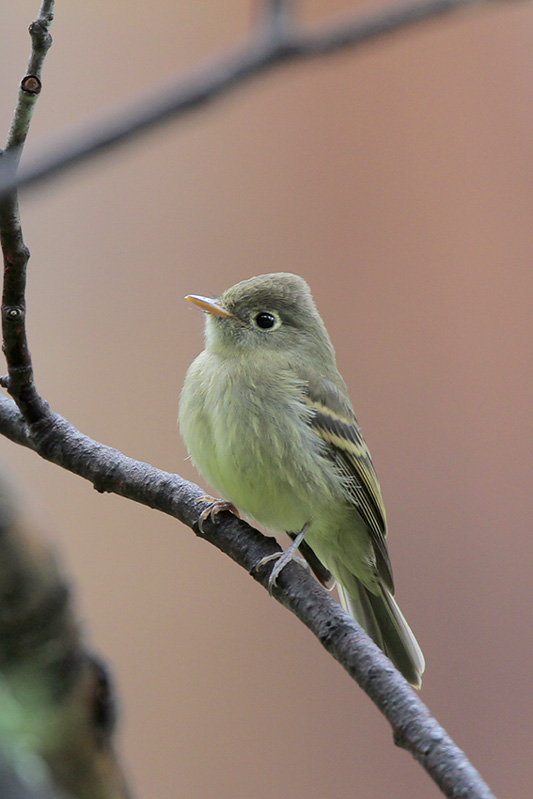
(283, 559)
(215, 507)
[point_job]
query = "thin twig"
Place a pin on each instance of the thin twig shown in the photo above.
(30, 85)
(414, 728)
(217, 78)
(19, 381)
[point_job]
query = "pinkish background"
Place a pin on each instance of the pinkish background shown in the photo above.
(398, 181)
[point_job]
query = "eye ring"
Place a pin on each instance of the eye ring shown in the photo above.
(266, 320)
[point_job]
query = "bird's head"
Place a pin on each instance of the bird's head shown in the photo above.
(267, 313)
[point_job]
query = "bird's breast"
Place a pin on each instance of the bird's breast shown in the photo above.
(248, 434)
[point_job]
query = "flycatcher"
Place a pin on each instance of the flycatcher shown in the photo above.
(267, 420)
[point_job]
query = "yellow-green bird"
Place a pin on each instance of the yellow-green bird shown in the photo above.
(267, 420)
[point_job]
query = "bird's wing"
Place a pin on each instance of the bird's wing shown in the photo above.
(333, 420)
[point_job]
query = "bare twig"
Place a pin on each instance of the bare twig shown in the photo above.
(413, 727)
(19, 382)
(30, 85)
(217, 78)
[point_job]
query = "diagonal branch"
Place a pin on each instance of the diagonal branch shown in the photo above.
(413, 727)
(276, 43)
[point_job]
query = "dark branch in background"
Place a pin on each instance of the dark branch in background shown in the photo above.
(277, 19)
(27, 420)
(263, 52)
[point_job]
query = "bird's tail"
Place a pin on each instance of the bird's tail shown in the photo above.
(384, 622)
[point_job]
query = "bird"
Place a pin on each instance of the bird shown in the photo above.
(267, 420)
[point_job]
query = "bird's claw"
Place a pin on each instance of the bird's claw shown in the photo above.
(215, 507)
(283, 559)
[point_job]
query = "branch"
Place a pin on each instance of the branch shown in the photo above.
(16, 255)
(414, 729)
(278, 19)
(276, 43)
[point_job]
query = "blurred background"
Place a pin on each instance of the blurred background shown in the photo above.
(398, 181)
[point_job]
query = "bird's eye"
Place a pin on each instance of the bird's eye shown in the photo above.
(266, 321)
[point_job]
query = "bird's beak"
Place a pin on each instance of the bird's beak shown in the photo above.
(211, 306)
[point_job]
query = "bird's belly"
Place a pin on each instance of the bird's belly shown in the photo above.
(272, 468)
(267, 499)
(255, 480)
